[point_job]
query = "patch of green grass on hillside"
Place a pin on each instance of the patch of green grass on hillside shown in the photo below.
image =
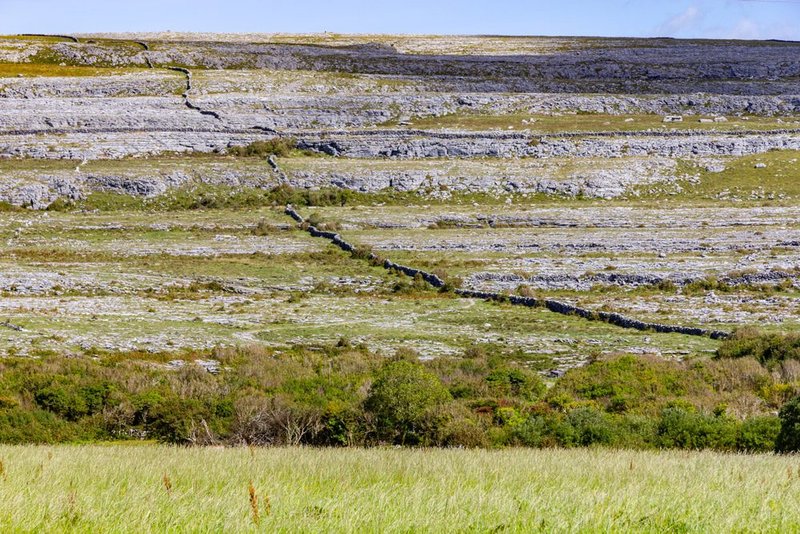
(741, 176)
(37, 70)
(592, 122)
(771, 178)
(38, 38)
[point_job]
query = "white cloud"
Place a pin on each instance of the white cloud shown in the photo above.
(746, 28)
(749, 28)
(681, 22)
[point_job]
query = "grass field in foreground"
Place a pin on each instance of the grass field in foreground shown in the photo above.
(163, 489)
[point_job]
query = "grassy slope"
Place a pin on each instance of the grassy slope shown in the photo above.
(122, 489)
(48, 70)
(591, 122)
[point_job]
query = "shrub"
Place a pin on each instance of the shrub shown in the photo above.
(544, 430)
(278, 146)
(768, 349)
(341, 426)
(758, 434)
(590, 427)
(454, 425)
(635, 431)
(71, 401)
(263, 228)
(19, 426)
(788, 439)
(342, 394)
(63, 401)
(515, 382)
(628, 384)
(274, 421)
(401, 397)
(406, 286)
(177, 420)
(684, 428)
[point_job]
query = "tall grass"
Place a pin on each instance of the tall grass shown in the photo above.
(122, 489)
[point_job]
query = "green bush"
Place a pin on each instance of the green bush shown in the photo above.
(454, 425)
(684, 428)
(179, 420)
(342, 394)
(71, 401)
(20, 426)
(788, 439)
(758, 434)
(628, 384)
(515, 382)
(400, 400)
(768, 349)
(544, 430)
(635, 431)
(590, 427)
(278, 146)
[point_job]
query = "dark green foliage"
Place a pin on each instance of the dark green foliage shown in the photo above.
(677, 427)
(591, 427)
(181, 420)
(688, 429)
(453, 425)
(343, 395)
(758, 434)
(788, 439)
(279, 146)
(768, 349)
(545, 430)
(19, 426)
(72, 402)
(629, 384)
(401, 398)
(515, 382)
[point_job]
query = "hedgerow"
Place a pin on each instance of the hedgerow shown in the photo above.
(342, 395)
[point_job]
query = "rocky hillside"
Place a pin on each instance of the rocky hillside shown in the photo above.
(96, 98)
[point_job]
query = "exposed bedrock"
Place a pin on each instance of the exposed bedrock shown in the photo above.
(209, 134)
(597, 183)
(39, 190)
(31, 101)
(100, 114)
(80, 144)
(680, 63)
(134, 84)
(293, 111)
(588, 281)
(400, 144)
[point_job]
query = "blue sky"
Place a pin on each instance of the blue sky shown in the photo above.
(741, 19)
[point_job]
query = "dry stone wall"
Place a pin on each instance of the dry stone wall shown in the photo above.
(552, 305)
